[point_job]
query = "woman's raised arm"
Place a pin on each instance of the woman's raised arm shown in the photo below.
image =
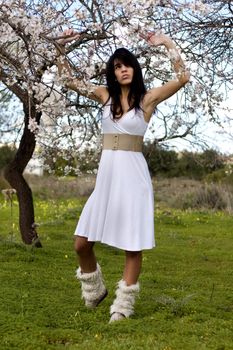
(97, 93)
(159, 94)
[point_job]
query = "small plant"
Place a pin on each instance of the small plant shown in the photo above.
(177, 306)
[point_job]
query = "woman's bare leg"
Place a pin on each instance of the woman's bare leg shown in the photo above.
(89, 273)
(128, 287)
(86, 255)
(133, 263)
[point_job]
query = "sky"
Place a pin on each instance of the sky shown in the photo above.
(214, 136)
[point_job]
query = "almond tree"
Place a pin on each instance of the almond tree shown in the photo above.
(29, 31)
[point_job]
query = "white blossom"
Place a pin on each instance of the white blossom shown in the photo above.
(33, 125)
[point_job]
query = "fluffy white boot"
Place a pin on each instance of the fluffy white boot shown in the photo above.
(123, 305)
(93, 288)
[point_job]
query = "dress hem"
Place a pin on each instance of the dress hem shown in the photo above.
(117, 246)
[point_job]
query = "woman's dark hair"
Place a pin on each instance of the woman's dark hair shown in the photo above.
(137, 87)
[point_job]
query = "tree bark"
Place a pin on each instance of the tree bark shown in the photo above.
(13, 173)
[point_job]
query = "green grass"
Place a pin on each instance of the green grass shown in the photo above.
(186, 299)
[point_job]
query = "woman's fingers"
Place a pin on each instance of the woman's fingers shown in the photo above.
(149, 35)
(67, 36)
(153, 37)
(145, 34)
(70, 32)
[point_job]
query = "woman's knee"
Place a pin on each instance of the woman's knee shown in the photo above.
(82, 246)
(133, 254)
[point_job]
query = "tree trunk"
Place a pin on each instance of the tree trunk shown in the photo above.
(14, 175)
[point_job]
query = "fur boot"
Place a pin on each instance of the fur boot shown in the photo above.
(123, 305)
(93, 288)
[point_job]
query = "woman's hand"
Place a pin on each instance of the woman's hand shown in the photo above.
(155, 38)
(67, 36)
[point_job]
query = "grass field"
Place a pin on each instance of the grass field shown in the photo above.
(186, 299)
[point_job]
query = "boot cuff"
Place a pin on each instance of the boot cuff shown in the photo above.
(88, 276)
(133, 288)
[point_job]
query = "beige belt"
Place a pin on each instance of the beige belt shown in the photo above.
(124, 142)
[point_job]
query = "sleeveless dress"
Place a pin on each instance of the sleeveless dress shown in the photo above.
(120, 210)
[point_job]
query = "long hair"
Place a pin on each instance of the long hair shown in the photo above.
(137, 87)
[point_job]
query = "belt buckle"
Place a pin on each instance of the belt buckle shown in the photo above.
(116, 142)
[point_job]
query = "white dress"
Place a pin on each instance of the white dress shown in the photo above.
(120, 210)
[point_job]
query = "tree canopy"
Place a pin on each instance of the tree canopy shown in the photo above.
(201, 29)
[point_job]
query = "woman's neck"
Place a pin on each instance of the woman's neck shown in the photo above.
(124, 92)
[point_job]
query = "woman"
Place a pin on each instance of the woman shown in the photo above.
(120, 210)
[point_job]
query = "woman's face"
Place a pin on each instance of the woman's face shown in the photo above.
(123, 72)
